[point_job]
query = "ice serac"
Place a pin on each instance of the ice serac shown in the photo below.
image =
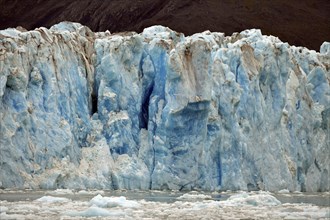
(45, 106)
(158, 110)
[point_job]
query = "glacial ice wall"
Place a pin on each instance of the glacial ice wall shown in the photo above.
(159, 110)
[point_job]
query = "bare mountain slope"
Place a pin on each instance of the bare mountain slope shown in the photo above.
(302, 23)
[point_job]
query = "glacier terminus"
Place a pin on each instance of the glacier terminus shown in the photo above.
(160, 110)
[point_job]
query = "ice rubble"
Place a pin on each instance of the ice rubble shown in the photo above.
(159, 110)
(254, 205)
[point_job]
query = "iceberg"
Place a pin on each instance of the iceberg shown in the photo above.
(160, 110)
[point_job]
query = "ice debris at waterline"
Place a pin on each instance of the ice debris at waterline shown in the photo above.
(158, 110)
(242, 205)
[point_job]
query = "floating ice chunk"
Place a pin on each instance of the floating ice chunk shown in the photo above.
(4, 215)
(327, 214)
(51, 199)
(3, 209)
(198, 209)
(83, 192)
(92, 192)
(61, 192)
(241, 199)
(189, 196)
(93, 211)
(284, 191)
(121, 201)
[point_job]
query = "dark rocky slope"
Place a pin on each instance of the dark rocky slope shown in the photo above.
(301, 23)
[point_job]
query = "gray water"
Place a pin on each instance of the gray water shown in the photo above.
(318, 199)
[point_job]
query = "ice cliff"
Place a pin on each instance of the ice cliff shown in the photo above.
(158, 110)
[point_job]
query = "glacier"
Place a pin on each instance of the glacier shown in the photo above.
(160, 110)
